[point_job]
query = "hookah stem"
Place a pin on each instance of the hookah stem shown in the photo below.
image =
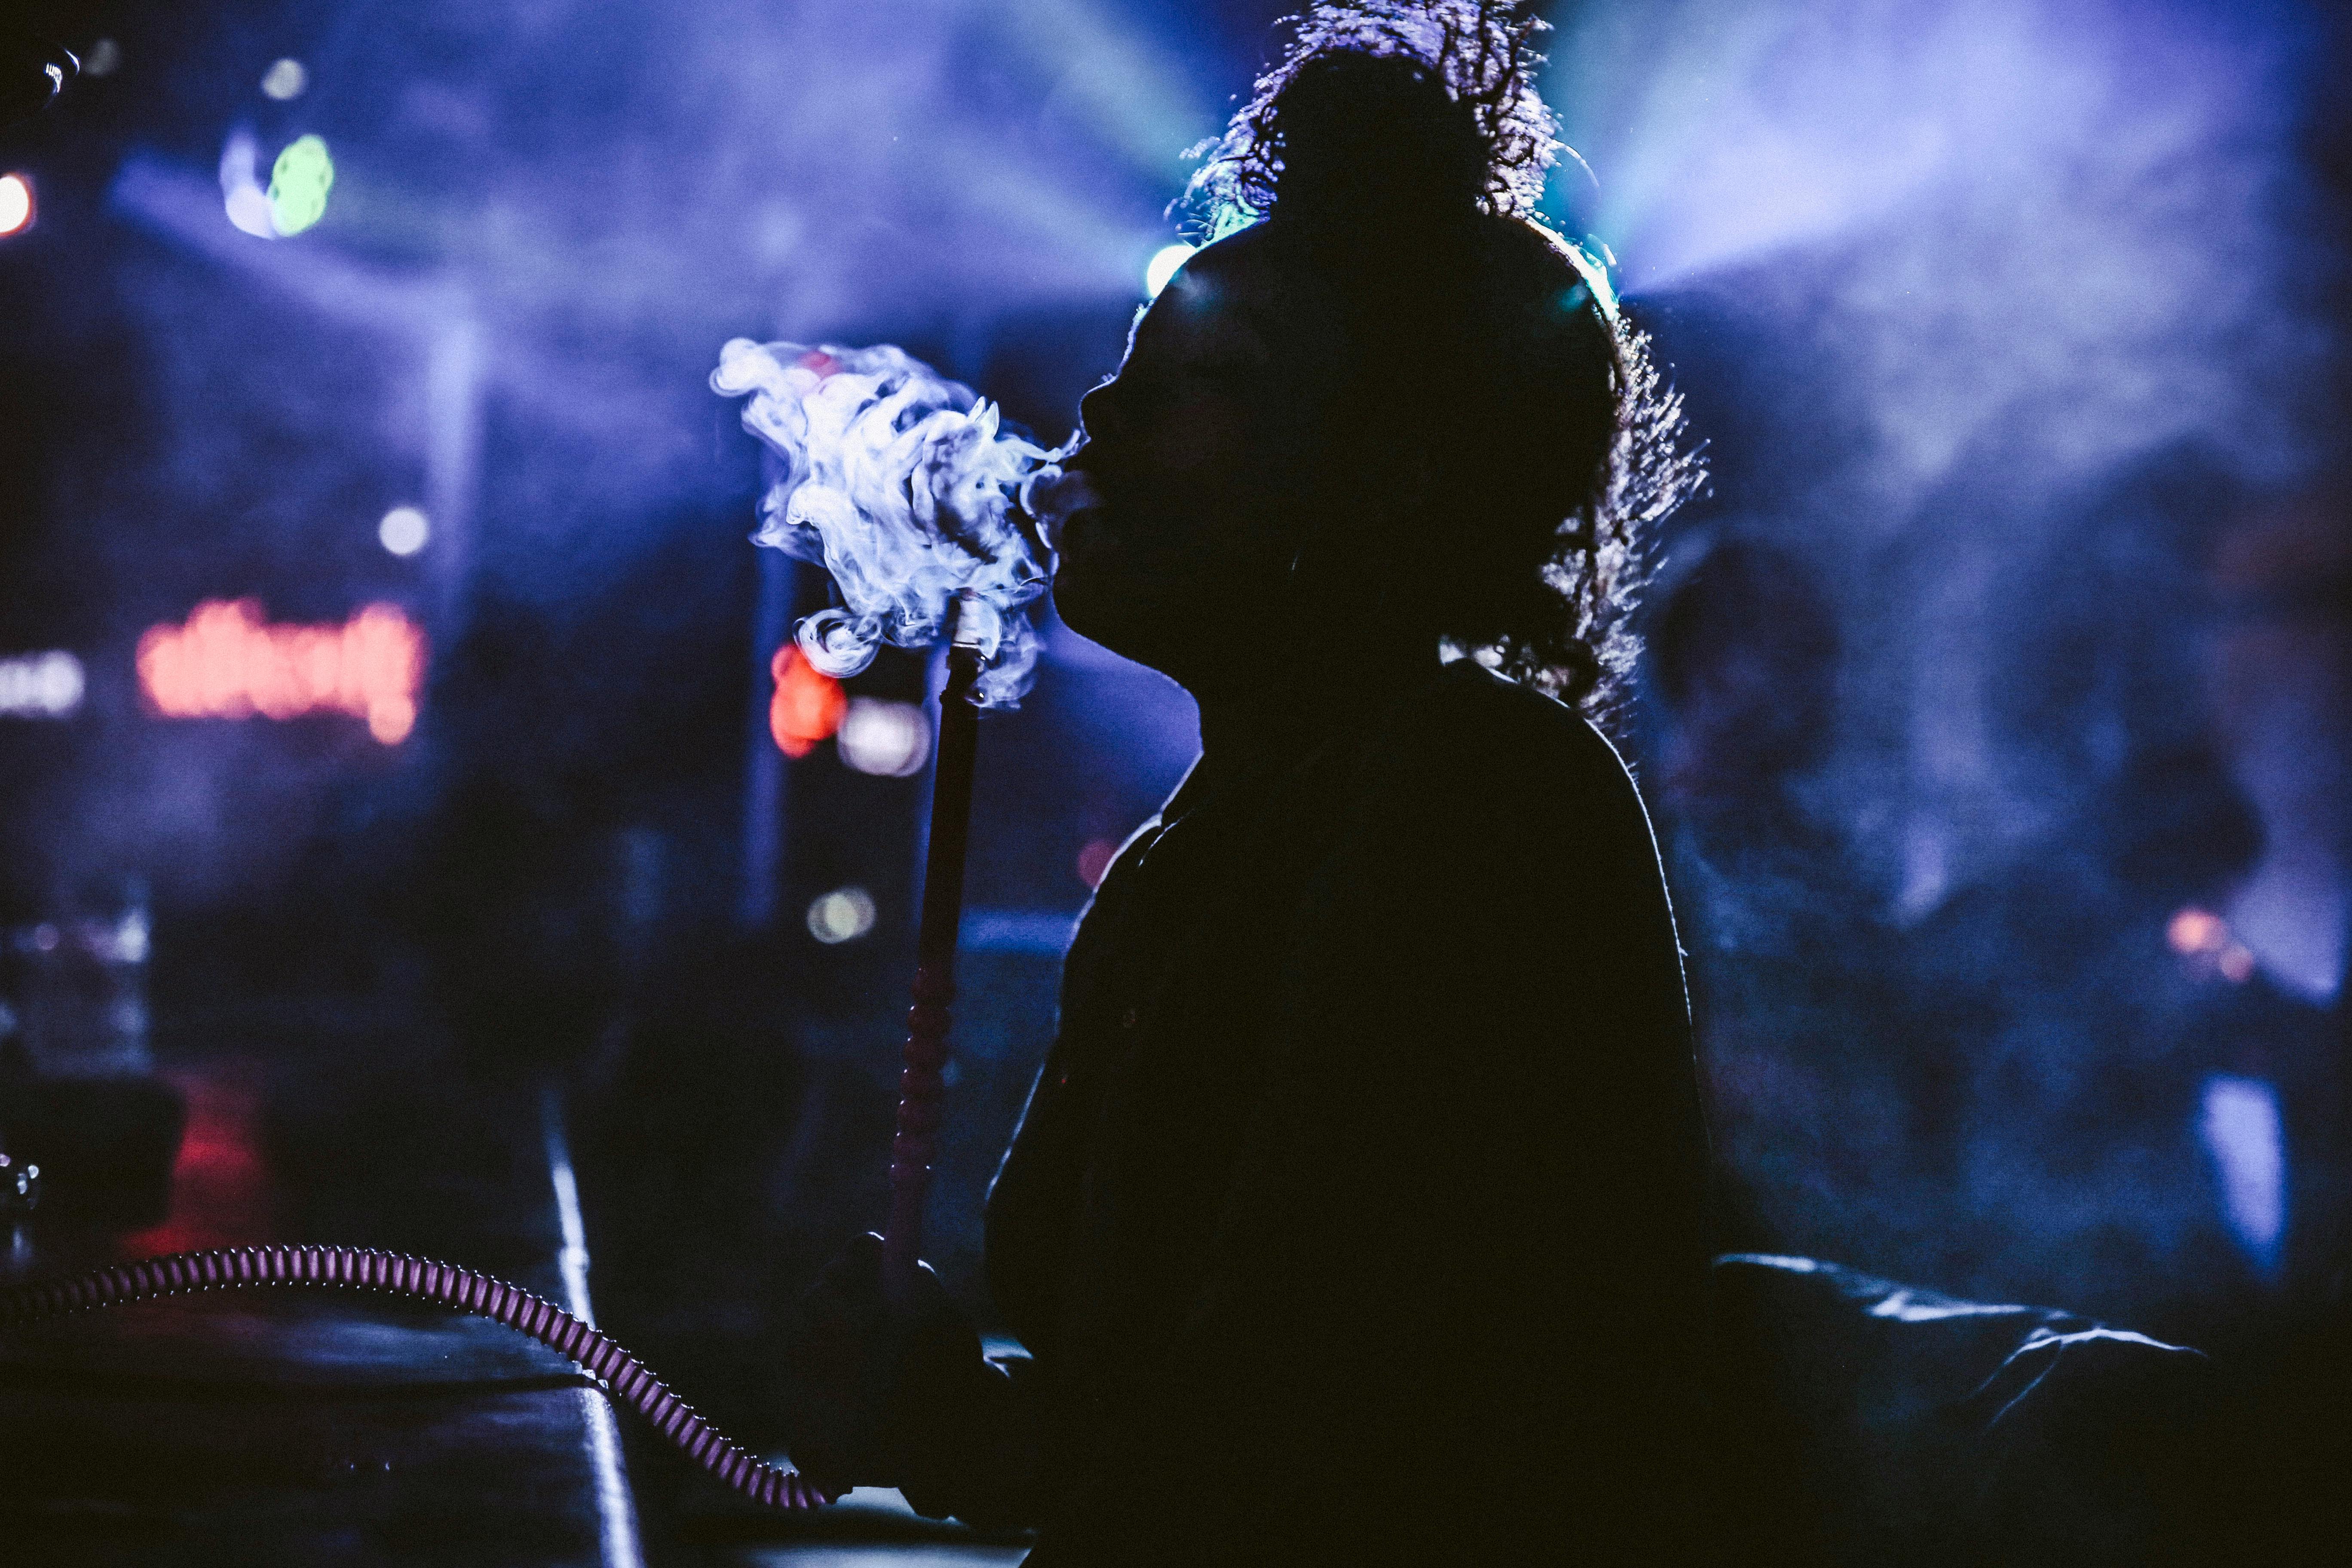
(920, 1084)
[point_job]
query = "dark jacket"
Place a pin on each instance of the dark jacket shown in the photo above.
(1358, 1213)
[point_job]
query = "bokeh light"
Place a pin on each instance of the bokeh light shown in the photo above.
(298, 183)
(241, 194)
(843, 915)
(2194, 930)
(105, 56)
(404, 531)
(808, 705)
(2245, 1136)
(15, 203)
(888, 740)
(2205, 939)
(41, 685)
(284, 80)
(248, 209)
(1163, 266)
(225, 662)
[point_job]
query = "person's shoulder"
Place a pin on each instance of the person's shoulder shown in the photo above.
(1476, 780)
(1476, 729)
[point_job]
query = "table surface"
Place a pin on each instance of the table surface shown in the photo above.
(319, 1427)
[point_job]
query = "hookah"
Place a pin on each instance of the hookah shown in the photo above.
(901, 484)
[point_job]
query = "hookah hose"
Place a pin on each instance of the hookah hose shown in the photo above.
(625, 1377)
(921, 1087)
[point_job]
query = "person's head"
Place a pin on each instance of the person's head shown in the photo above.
(1397, 411)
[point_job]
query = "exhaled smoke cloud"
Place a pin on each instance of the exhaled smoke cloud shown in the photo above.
(899, 483)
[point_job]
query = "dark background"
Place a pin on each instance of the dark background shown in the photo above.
(2012, 624)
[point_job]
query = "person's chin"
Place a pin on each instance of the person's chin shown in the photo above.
(1086, 590)
(1108, 612)
(1080, 599)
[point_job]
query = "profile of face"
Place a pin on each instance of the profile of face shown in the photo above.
(1204, 452)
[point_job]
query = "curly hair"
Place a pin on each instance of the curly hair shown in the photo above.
(1406, 149)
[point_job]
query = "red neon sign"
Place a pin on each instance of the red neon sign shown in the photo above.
(227, 663)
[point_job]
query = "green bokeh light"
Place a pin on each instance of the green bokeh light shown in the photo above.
(298, 183)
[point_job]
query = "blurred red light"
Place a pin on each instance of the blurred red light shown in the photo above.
(227, 663)
(807, 707)
(220, 1185)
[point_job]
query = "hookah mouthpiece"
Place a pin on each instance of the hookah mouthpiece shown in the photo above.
(978, 626)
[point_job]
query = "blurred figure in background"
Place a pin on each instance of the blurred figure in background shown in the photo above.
(2073, 983)
(1815, 1102)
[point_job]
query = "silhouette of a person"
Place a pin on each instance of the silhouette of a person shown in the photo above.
(1358, 1214)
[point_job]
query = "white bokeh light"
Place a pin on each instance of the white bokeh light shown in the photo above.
(15, 203)
(284, 80)
(888, 740)
(843, 915)
(2245, 1136)
(404, 530)
(41, 685)
(240, 182)
(1163, 266)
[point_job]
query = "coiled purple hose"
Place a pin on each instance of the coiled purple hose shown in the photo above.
(624, 1376)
